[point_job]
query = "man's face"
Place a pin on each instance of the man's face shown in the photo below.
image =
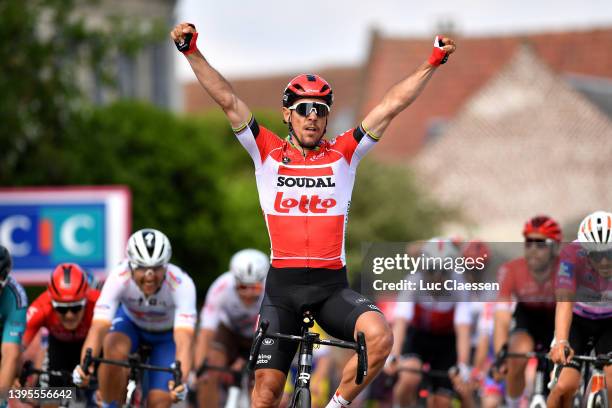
(539, 253)
(249, 294)
(601, 262)
(70, 314)
(308, 117)
(149, 279)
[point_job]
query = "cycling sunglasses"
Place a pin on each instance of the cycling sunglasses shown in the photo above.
(539, 243)
(305, 108)
(256, 287)
(598, 256)
(63, 308)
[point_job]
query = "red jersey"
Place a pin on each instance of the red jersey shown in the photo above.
(518, 284)
(305, 199)
(41, 314)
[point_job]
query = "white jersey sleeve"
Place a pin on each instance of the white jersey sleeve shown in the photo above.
(116, 283)
(185, 313)
(210, 316)
(463, 313)
(404, 310)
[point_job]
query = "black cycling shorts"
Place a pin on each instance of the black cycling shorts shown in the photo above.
(539, 323)
(63, 356)
(438, 350)
(233, 345)
(586, 334)
(291, 291)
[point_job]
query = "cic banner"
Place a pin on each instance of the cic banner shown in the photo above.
(45, 226)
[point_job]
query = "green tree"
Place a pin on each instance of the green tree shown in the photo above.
(46, 45)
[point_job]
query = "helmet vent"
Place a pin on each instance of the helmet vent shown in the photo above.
(324, 88)
(311, 78)
(66, 270)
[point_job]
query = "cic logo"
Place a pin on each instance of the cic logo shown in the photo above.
(41, 236)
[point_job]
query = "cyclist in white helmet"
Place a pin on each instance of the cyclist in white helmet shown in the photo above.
(584, 304)
(228, 318)
(144, 300)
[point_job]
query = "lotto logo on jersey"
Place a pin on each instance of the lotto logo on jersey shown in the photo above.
(304, 204)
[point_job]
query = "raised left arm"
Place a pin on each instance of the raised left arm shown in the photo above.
(402, 94)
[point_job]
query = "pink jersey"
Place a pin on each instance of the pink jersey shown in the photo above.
(305, 199)
(593, 292)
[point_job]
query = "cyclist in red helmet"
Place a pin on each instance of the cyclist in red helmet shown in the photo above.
(529, 281)
(65, 309)
(305, 184)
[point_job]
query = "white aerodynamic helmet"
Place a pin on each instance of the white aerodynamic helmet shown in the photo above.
(148, 248)
(595, 231)
(249, 266)
(440, 248)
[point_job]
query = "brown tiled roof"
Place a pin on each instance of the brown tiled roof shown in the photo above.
(525, 143)
(266, 92)
(477, 60)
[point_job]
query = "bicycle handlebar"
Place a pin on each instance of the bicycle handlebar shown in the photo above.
(359, 347)
(603, 359)
(134, 364)
(28, 369)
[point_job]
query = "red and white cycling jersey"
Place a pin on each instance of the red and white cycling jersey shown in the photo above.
(305, 199)
(518, 284)
(593, 291)
(223, 305)
(41, 314)
(434, 317)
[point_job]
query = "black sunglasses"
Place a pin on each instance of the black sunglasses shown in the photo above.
(65, 309)
(305, 108)
(596, 256)
(537, 242)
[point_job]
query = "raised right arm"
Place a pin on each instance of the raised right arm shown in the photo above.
(237, 112)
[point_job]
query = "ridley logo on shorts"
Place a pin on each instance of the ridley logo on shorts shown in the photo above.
(305, 204)
(268, 341)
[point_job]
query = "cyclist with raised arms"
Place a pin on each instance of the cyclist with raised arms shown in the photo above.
(584, 307)
(13, 306)
(228, 317)
(65, 309)
(305, 183)
(144, 300)
(528, 282)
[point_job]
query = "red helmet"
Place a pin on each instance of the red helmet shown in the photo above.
(544, 225)
(68, 283)
(307, 86)
(476, 249)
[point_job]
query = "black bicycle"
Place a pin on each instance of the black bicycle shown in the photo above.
(301, 397)
(137, 369)
(44, 376)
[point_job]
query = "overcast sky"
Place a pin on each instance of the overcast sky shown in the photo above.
(271, 36)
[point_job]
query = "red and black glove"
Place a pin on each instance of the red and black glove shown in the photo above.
(188, 44)
(438, 55)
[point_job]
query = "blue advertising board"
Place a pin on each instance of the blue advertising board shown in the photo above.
(43, 227)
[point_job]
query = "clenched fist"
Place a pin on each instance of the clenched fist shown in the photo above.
(185, 36)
